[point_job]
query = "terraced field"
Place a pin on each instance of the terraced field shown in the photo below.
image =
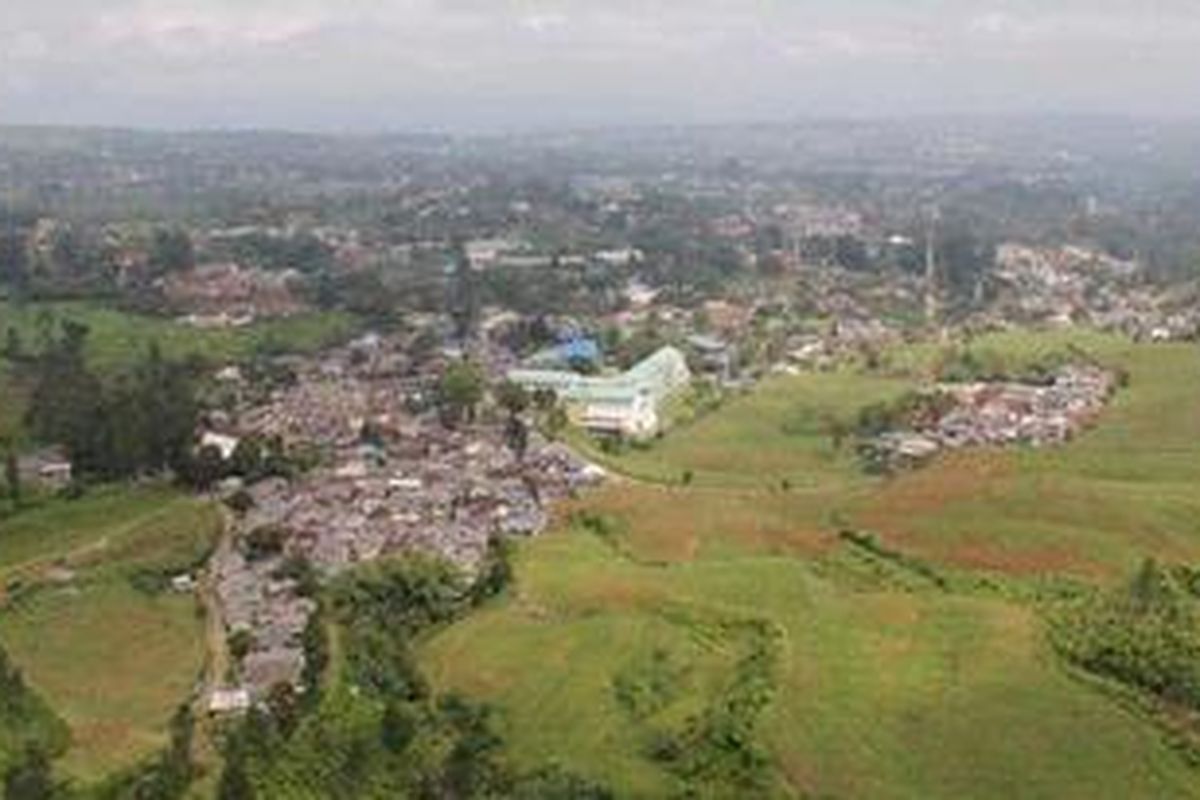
(85, 615)
(910, 664)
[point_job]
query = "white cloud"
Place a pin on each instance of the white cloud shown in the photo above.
(320, 62)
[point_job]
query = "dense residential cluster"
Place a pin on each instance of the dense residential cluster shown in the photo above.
(998, 413)
(391, 477)
(1077, 285)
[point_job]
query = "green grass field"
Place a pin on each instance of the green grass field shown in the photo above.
(778, 432)
(884, 685)
(878, 693)
(1122, 491)
(112, 659)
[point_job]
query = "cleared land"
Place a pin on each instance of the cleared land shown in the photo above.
(87, 619)
(882, 682)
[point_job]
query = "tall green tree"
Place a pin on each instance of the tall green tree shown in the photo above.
(171, 250)
(459, 393)
(31, 778)
(12, 476)
(464, 294)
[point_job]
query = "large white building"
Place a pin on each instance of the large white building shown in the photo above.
(628, 403)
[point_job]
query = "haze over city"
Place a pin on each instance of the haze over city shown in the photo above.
(605, 400)
(510, 64)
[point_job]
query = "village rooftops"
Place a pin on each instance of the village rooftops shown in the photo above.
(578, 349)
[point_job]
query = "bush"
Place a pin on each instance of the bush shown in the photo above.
(1144, 634)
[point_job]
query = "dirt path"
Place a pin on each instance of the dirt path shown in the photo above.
(217, 647)
(205, 751)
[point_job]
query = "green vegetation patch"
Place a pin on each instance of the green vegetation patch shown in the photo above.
(869, 693)
(88, 619)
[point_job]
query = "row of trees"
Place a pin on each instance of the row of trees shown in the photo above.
(1145, 634)
(59, 258)
(142, 421)
(388, 735)
(30, 735)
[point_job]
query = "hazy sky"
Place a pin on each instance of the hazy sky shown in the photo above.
(414, 64)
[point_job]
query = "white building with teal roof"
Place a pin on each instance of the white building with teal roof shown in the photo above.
(628, 403)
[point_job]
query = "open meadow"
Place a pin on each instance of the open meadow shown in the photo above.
(87, 614)
(732, 618)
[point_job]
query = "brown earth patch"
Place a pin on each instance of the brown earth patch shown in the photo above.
(673, 524)
(956, 476)
(1025, 561)
(615, 593)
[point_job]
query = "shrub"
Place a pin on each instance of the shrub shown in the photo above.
(1144, 634)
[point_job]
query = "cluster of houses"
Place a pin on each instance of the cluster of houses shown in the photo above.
(228, 295)
(391, 479)
(1075, 285)
(503, 253)
(1003, 413)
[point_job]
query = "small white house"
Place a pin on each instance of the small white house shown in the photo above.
(229, 701)
(225, 444)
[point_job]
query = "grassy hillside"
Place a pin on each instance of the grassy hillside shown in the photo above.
(913, 667)
(778, 432)
(85, 617)
(875, 693)
(25, 719)
(1123, 490)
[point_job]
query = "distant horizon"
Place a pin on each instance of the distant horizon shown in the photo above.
(601, 127)
(501, 65)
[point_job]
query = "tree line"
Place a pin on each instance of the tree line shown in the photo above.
(142, 421)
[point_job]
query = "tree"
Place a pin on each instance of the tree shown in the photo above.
(171, 250)
(544, 399)
(30, 778)
(14, 259)
(556, 419)
(464, 294)
(512, 397)
(235, 783)
(12, 477)
(837, 430)
(965, 256)
(204, 469)
(398, 726)
(139, 422)
(284, 706)
(67, 251)
(516, 436)
(14, 350)
(459, 392)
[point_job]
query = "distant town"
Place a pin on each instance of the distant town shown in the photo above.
(344, 354)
